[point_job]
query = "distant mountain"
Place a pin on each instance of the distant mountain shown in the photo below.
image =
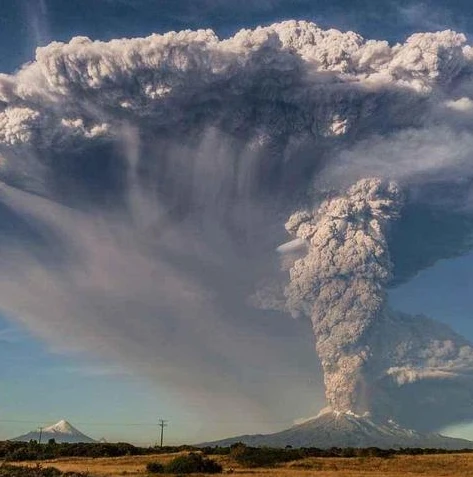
(335, 429)
(60, 432)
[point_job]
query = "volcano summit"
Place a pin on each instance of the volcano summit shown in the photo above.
(335, 429)
(61, 432)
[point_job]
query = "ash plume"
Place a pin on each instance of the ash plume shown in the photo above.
(145, 182)
(340, 283)
(370, 354)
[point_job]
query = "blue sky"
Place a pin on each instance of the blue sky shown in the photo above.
(41, 386)
(442, 292)
(103, 400)
(26, 23)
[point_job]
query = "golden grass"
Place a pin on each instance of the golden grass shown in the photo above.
(451, 465)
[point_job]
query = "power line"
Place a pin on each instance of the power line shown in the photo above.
(162, 424)
(145, 424)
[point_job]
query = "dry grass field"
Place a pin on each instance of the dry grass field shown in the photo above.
(452, 465)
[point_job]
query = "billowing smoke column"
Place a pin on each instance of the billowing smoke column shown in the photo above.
(373, 358)
(340, 283)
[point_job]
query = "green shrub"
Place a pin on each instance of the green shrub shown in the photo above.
(154, 468)
(38, 471)
(192, 463)
(262, 456)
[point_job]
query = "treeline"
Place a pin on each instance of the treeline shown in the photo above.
(240, 453)
(26, 451)
(267, 456)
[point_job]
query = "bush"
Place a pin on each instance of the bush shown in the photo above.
(38, 471)
(192, 463)
(22, 453)
(262, 456)
(154, 468)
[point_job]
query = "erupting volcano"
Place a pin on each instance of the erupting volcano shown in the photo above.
(144, 188)
(336, 429)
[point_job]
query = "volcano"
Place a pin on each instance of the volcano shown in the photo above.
(61, 432)
(336, 429)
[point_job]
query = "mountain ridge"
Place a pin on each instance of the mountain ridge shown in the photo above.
(337, 429)
(61, 432)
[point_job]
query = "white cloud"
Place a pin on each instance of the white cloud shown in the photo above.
(463, 104)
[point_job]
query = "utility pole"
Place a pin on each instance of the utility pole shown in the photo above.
(40, 434)
(162, 424)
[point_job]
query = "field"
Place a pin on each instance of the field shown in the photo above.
(451, 465)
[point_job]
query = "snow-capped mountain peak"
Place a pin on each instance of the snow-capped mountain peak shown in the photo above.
(62, 431)
(62, 427)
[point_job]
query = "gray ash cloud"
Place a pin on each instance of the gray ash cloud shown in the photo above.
(146, 181)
